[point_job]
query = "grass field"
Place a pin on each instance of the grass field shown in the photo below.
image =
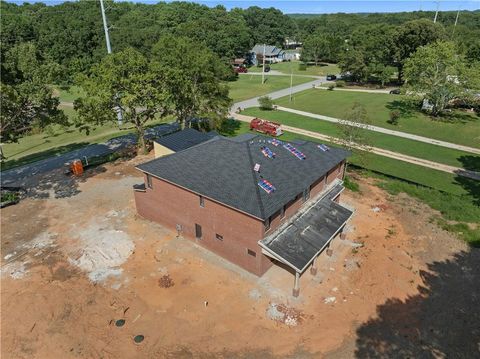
(397, 144)
(456, 198)
(461, 128)
(292, 66)
(248, 86)
(58, 140)
(68, 95)
(243, 88)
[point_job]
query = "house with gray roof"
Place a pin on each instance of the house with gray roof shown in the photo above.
(252, 199)
(273, 54)
(179, 141)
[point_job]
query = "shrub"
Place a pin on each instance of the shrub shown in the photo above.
(340, 83)
(266, 103)
(394, 117)
(302, 66)
(331, 87)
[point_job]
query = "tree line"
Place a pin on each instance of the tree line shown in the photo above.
(171, 58)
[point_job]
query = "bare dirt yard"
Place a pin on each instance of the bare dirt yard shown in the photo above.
(84, 277)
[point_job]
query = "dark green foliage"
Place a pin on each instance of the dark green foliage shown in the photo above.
(394, 116)
(302, 66)
(266, 103)
(26, 101)
(331, 87)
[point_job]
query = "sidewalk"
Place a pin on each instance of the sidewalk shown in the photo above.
(384, 130)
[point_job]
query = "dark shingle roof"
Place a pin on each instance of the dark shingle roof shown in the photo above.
(309, 234)
(184, 139)
(222, 169)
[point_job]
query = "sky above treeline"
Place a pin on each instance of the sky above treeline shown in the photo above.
(325, 6)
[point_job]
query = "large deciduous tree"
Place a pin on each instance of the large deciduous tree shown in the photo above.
(316, 48)
(125, 80)
(353, 63)
(26, 99)
(410, 36)
(437, 73)
(191, 75)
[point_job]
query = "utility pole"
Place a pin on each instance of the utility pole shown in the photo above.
(105, 27)
(263, 67)
(456, 21)
(436, 12)
(118, 110)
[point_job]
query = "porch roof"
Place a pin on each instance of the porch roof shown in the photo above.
(308, 235)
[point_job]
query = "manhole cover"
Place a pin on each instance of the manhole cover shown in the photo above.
(120, 323)
(138, 339)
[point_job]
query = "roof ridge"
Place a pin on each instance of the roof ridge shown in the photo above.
(257, 189)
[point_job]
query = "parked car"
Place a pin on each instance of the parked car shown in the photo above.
(240, 70)
(395, 92)
(331, 77)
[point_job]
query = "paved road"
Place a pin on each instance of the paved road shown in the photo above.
(379, 151)
(15, 176)
(253, 102)
(385, 131)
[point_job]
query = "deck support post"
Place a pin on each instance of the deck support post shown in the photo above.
(313, 268)
(329, 251)
(296, 286)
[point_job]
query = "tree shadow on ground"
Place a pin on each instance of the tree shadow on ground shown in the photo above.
(51, 152)
(229, 127)
(456, 116)
(404, 107)
(442, 321)
(57, 183)
(470, 162)
(471, 186)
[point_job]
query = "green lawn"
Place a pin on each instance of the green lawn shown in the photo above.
(397, 144)
(68, 95)
(249, 86)
(292, 66)
(463, 128)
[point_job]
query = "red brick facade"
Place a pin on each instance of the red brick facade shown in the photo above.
(226, 231)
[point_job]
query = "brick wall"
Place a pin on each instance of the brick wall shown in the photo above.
(170, 205)
(317, 187)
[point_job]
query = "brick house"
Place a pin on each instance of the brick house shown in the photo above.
(253, 200)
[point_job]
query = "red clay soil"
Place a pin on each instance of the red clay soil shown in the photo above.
(73, 266)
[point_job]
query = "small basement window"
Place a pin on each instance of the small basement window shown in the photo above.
(251, 253)
(202, 202)
(149, 181)
(219, 237)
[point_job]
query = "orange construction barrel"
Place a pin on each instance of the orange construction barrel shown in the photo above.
(77, 167)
